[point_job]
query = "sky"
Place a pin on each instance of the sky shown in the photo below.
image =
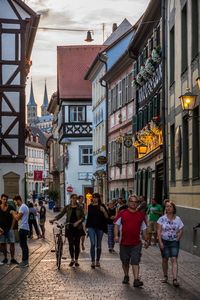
(76, 15)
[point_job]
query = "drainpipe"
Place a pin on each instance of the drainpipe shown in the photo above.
(164, 103)
(104, 61)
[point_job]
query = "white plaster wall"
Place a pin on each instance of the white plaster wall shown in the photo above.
(71, 172)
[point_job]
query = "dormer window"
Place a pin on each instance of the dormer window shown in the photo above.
(77, 114)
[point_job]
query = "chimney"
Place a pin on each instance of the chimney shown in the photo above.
(114, 27)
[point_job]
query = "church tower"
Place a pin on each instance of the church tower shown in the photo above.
(44, 106)
(31, 108)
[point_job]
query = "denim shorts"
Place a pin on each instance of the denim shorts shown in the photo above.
(130, 254)
(8, 237)
(171, 249)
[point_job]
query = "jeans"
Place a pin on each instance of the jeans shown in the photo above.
(111, 242)
(23, 244)
(33, 223)
(95, 236)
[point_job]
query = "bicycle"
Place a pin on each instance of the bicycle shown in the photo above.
(58, 240)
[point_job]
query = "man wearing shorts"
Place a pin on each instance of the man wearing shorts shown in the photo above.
(130, 223)
(7, 235)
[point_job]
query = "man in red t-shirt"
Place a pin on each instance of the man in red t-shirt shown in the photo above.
(130, 222)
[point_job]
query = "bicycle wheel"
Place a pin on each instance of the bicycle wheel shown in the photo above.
(59, 252)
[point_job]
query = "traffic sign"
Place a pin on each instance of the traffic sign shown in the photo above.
(69, 189)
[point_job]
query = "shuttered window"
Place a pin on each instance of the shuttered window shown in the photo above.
(120, 94)
(150, 111)
(135, 124)
(185, 149)
(123, 91)
(145, 115)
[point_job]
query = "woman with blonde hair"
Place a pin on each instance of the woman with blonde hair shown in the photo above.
(170, 231)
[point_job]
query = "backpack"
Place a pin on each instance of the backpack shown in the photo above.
(31, 216)
(42, 212)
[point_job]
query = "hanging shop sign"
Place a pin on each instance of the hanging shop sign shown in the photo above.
(148, 139)
(128, 142)
(102, 160)
(38, 175)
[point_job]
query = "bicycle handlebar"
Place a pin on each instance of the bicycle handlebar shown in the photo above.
(61, 225)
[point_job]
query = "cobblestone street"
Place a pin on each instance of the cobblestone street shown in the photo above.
(42, 280)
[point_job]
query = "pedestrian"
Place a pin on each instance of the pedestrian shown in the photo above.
(22, 217)
(83, 205)
(154, 211)
(112, 212)
(96, 225)
(121, 204)
(130, 223)
(42, 217)
(32, 221)
(74, 227)
(170, 231)
(142, 204)
(7, 236)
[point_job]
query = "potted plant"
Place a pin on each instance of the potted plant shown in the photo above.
(53, 199)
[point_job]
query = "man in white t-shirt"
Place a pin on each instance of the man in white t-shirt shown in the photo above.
(22, 217)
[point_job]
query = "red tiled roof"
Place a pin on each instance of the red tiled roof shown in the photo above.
(72, 64)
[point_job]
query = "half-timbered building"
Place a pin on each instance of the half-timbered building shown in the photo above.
(75, 116)
(18, 25)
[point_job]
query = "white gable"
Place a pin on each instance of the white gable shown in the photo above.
(6, 11)
(21, 11)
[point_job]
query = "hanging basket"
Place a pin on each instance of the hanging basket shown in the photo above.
(156, 55)
(149, 66)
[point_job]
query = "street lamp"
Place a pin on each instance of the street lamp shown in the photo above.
(142, 149)
(188, 101)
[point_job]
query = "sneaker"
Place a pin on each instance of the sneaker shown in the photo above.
(93, 265)
(72, 263)
(5, 261)
(97, 264)
(77, 264)
(14, 261)
(126, 279)
(23, 264)
(137, 283)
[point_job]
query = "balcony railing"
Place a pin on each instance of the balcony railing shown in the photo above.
(76, 130)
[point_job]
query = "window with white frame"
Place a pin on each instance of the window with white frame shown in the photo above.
(120, 94)
(77, 114)
(85, 155)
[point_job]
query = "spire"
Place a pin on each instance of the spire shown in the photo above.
(45, 100)
(31, 99)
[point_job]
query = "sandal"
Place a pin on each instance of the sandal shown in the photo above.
(165, 279)
(175, 283)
